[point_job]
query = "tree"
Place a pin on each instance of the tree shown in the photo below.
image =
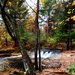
(11, 26)
(66, 23)
(69, 22)
(37, 40)
(48, 9)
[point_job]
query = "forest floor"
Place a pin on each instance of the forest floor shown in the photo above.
(66, 58)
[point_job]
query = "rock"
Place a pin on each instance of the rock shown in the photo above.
(54, 65)
(4, 65)
(15, 73)
(12, 62)
(51, 63)
(56, 57)
(16, 63)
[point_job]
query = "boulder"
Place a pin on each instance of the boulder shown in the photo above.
(15, 63)
(54, 65)
(51, 63)
(15, 73)
(12, 62)
(4, 65)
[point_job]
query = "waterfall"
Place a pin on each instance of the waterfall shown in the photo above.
(45, 53)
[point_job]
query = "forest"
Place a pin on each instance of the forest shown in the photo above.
(37, 37)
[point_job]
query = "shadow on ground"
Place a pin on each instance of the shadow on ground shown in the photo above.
(59, 73)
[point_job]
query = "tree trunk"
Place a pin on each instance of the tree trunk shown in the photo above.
(37, 40)
(7, 25)
(67, 43)
(6, 41)
(69, 38)
(26, 60)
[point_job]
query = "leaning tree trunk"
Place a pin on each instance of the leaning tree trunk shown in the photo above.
(8, 26)
(26, 60)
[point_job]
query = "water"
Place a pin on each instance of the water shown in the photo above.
(10, 57)
(1, 59)
(45, 53)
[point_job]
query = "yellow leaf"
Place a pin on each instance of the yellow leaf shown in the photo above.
(42, 1)
(31, 19)
(27, 26)
(56, 22)
(26, 69)
(73, 17)
(60, 22)
(17, 3)
(68, 19)
(73, 4)
(55, 28)
(24, 73)
(51, 22)
(69, 12)
(66, 6)
(54, 4)
(72, 10)
(34, 9)
(9, 3)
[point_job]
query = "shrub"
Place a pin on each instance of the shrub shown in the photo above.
(71, 69)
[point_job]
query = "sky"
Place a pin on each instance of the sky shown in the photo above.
(32, 3)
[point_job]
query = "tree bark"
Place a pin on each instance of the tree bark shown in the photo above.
(26, 60)
(37, 40)
(7, 25)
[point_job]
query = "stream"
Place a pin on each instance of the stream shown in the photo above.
(45, 53)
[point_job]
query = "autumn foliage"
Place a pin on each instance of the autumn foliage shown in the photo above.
(9, 3)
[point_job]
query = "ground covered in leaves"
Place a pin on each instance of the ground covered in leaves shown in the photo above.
(65, 58)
